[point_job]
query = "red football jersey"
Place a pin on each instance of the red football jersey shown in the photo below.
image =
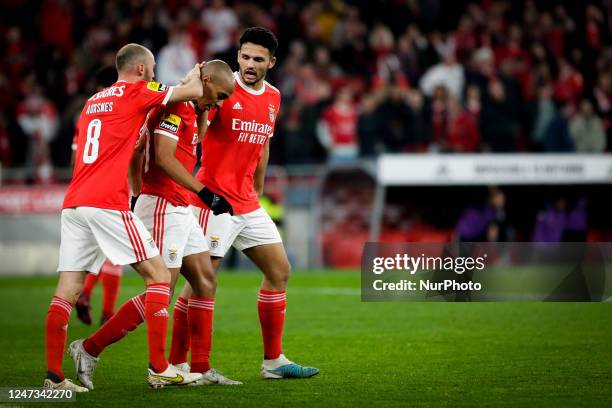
(233, 144)
(342, 124)
(179, 122)
(107, 131)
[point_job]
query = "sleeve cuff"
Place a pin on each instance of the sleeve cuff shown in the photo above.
(167, 134)
(168, 95)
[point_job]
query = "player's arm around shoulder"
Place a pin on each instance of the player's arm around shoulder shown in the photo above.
(191, 87)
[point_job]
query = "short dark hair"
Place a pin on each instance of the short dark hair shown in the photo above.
(260, 36)
(129, 54)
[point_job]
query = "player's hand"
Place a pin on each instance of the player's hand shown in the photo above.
(133, 202)
(217, 203)
(192, 75)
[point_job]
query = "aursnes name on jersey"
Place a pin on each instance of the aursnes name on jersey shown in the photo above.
(99, 108)
(252, 131)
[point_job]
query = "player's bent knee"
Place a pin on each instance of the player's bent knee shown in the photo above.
(153, 270)
(285, 273)
(203, 285)
(278, 278)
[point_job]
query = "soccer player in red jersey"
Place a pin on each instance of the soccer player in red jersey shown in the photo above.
(235, 152)
(171, 138)
(109, 275)
(96, 222)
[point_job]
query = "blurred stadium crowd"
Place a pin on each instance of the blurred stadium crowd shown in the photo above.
(358, 77)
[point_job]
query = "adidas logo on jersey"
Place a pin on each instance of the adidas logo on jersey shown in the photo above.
(237, 105)
(161, 313)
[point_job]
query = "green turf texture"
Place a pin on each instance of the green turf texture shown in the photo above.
(370, 354)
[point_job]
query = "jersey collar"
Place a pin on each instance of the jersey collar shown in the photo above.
(248, 88)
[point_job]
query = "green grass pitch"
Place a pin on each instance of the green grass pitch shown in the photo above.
(370, 354)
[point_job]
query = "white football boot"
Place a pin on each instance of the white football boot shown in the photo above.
(171, 376)
(84, 362)
(210, 377)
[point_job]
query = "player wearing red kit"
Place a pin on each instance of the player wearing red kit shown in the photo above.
(235, 154)
(171, 137)
(96, 222)
(109, 275)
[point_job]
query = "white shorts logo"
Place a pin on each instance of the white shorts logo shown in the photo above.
(172, 254)
(214, 242)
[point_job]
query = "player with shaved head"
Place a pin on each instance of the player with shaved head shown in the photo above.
(96, 221)
(171, 138)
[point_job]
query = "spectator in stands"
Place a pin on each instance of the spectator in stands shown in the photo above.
(175, 58)
(221, 23)
(473, 103)
(558, 139)
(337, 129)
(448, 73)
(370, 125)
(587, 130)
(396, 113)
(419, 121)
(408, 58)
(349, 43)
(324, 66)
(463, 135)
(38, 119)
(545, 112)
(569, 84)
(439, 115)
(497, 121)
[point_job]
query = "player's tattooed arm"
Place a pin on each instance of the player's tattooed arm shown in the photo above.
(191, 87)
(260, 171)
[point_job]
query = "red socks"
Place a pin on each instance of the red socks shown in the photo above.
(156, 314)
(56, 333)
(129, 317)
(200, 313)
(110, 276)
(110, 284)
(152, 307)
(271, 307)
(180, 333)
(90, 283)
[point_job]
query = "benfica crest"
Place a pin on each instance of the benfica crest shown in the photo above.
(214, 242)
(272, 112)
(173, 254)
